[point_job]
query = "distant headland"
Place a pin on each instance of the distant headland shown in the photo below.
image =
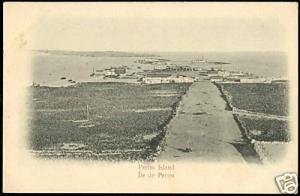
(96, 53)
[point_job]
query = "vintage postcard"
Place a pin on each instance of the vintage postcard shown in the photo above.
(150, 97)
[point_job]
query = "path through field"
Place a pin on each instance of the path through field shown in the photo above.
(203, 130)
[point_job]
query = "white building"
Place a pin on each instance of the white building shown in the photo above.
(253, 80)
(223, 73)
(237, 74)
(162, 79)
(110, 73)
(216, 78)
(160, 67)
(212, 75)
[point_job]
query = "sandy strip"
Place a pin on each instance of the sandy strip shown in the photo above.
(203, 127)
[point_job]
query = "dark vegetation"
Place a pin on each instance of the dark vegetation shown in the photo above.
(266, 129)
(259, 97)
(120, 115)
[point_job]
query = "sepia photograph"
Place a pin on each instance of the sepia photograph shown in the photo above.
(187, 97)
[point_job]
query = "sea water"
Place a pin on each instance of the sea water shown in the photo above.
(48, 69)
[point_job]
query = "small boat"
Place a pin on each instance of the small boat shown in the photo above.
(63, 78)
(73, 82)
(70, 80)
(93, 73)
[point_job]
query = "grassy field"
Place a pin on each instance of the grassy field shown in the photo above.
(124, 120)
(259, 97)
(262, 129)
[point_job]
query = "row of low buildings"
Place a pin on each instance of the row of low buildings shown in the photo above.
(177, 68)
(111, 72)
(220, 75)
(213, 74)
(143, 77)
(153, 61)
(165, 78)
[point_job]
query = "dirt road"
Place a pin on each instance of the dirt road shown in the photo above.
(202, 129)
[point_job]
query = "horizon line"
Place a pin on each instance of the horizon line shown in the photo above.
(136, 51)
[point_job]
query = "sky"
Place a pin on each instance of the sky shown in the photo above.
(158, 27)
